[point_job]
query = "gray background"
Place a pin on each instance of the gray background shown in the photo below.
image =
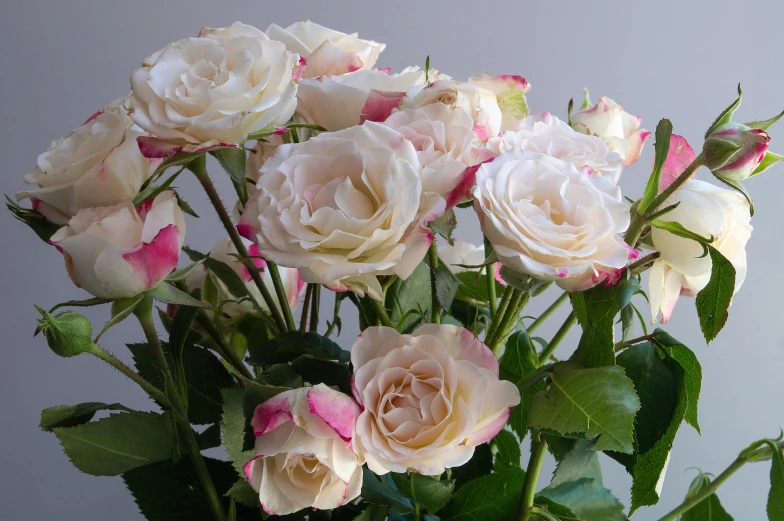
(61, 61)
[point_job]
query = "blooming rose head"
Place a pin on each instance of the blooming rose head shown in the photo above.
(216, 88)
(120, 251)
(327, 52)
(344, 207)
(617, 127)
(339, 102)
(510, 90)
(546, 134)
(480, 103)
(549, 220)
(98, 164)
(304, 455)
(734, 151)
(429, 398)
(234, 305)
(706, 210)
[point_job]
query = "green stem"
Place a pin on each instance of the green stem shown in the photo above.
(113, 361)
(559, 336)
(505, 298)
(413, 495)
(435, 311)
(382, 313)
(144, 313)
(199, 169)
(547, 312)
(492, 298)
(507, 320)
(272, 268)
(538, 451)
(226, 351)
(314, 309)
(303, 319)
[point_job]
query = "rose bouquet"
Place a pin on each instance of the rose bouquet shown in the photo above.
(349, 179)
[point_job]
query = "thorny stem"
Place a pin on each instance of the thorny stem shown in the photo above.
(538, 451)
(435, 311)
(492, 298)
(115, 362)
(314, 308)
(303, 320)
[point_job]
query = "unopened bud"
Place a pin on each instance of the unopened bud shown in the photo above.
(734, 151)
(68, 333)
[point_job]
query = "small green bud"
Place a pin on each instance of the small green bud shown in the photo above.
(68, 333)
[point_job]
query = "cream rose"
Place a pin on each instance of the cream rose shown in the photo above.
(304, 455)
(339, 102)
(121, 251)
(216, 88)
(461, 252)
(327, 52)
(98, 164)
(549, 220)
(617, 127)
(479, 102)
(546, 134)
(510, 90)
(234, 305)
(706, 210)
(428, 398)
(259, 154)
(344, 207)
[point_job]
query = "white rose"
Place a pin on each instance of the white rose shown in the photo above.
(479, 102)
(706, 210)
(510, 91)
(428, 398)
(461, 252)
(216, 88)
(98, 164)
(121, 251)
(546, 134)
(327, 52)
(549, 220)
(344, 207)
(259, 154)
(339, 102)
(225, 251)
(617, 127)
(442, 137)
(304, 451)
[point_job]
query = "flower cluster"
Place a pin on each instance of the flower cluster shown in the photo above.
(351, 178)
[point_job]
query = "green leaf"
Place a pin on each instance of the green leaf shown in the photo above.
(209, 438)
(292, 344)
(232, 160)
(424, 490)
(507, 450)
(489, 498)
(581, 461)
(714, 300)
(598, 307)
(445, 225)
(709, 509)
(407, 299)
(678, 229)
(446, 286)
(117, 443)
(376, 491)
(150, 192)
(553, 508)
(316, 371)
(42, 227)
(121, 309)
(95, 301)
(233, 425)
(586, 498)
(726, 115)
(480, 464)
(180, 274)
(775, 506)
(71, 415)
(598, 402)
(768, 161)
(168, 294)
(244, 494)
(222, 271)
(692, 372)
(515, 364)
(765, 124)
(662, 147)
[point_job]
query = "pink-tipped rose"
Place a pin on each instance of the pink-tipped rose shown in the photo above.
(121, 251)
(617, 127)
(734, 151)
(304, 455)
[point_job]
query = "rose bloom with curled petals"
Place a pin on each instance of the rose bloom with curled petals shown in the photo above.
(546, 219)
(546, 134)
(216, 88)
(97, 164)
(304, 451)
(326, 52)
(344, 207)
(429, 398)
(121, 251)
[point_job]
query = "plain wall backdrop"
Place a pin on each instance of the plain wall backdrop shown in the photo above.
(62, 60)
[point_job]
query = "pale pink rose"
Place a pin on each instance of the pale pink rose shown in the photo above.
(617, 127)
(344, 207)
(326, 52)
(98, 164)
(547, 219)
(706, 210)
(304, 452)
(238, 305)
(216, 88)
(120, 251)
(734, 151)
(428, 398)
(546, 134)
(510, 90)
(339, 102)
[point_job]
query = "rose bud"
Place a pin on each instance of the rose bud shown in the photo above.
(734, 151)
(68, 333)
(617, 127)
(121, 251)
